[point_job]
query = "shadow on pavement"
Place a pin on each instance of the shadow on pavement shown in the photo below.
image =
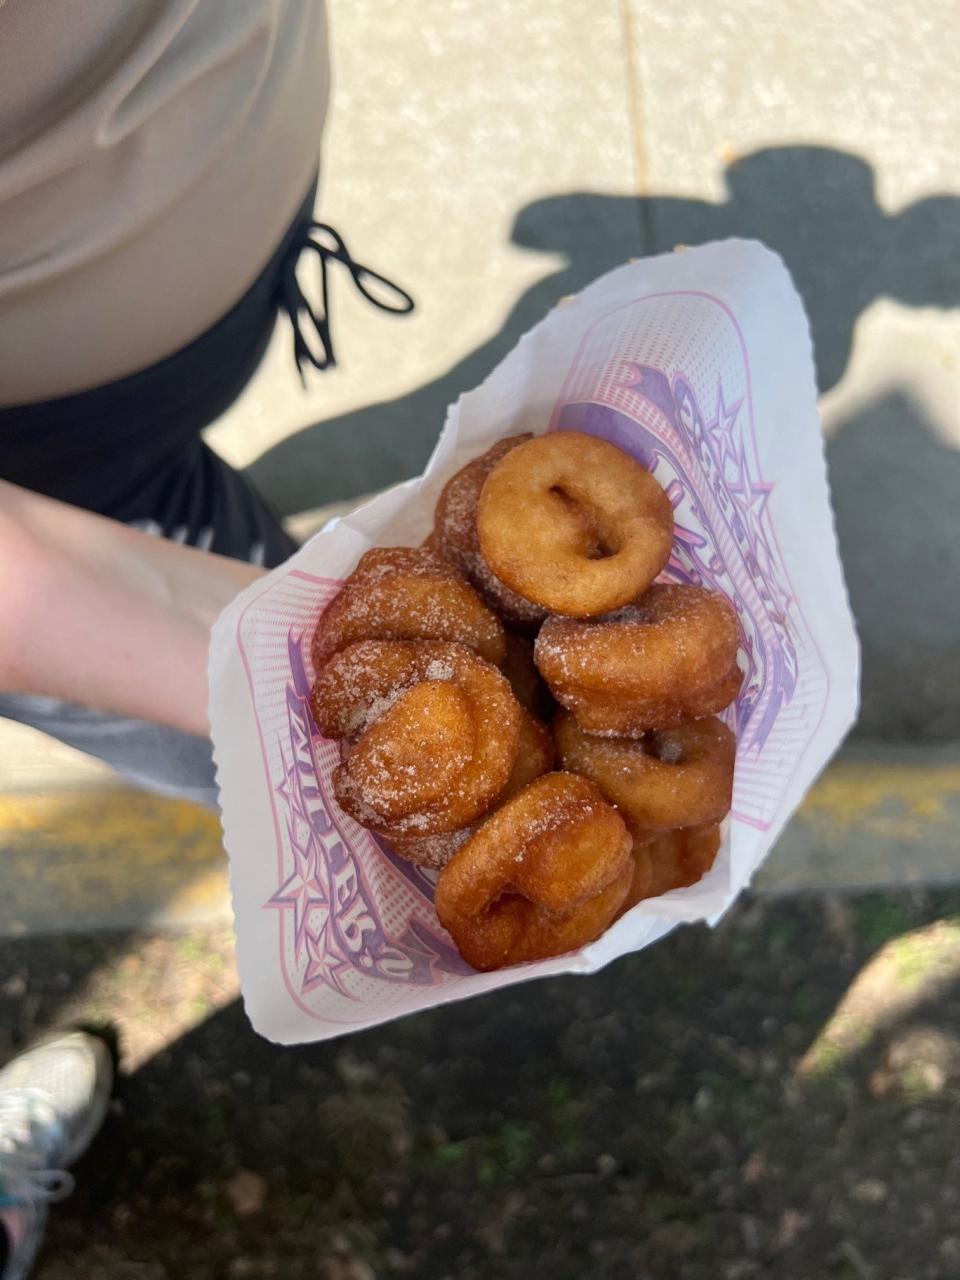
(816, 206)
(648, 1121)
(896, 493)
(894, 486)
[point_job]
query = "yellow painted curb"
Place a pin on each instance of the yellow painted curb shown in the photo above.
(896, 801)
(101, 857)
(113, 857)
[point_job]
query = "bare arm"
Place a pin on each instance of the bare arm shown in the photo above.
(98, 613)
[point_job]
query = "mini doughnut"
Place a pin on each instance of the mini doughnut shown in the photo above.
(432, 733)
(574, 524)
(535, 756)
(545, 874)
(677, 859)
(455, 534)
(641, 876)
(407, 593)
(670, 778)
(670, 656)
(431, 852)
(526, 681)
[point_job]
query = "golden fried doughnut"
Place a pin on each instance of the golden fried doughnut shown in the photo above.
(641, 875)
(407, 593)
(455, 534)
(574, 524)
(545, 874)
(677, 777)
(535, 756)
(526, 681)
(672, 860)
(670, 656)
(431, 852)
(433, 733)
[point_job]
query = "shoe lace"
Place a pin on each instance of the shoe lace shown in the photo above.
(27, 1120)
(329, 246)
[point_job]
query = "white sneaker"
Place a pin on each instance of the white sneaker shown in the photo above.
(53, 1099)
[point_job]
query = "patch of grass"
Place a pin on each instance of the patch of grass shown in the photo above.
(916, 1084)
(191, 948)
(740, 945)
(509, 1147)
(783, 930)
(802, 1004)
(449, 1153)
(494, 1155)
(879, 919)
(828, 1058)
(559, 1093)
(911, 960)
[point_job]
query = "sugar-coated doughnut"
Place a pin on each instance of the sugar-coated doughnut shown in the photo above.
(677, 777)
(574, 524)
(455, 535)
(546, 873)
(432, 733)
(407, 593)
(670, 656)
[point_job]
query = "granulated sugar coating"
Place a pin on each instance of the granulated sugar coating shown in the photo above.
(407, 593)
(670, 778)
(431, 852)
(455, 533)
(667, 657)
(434, 732)
(547, 872)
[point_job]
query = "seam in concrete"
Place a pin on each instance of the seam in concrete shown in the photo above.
(636, 121)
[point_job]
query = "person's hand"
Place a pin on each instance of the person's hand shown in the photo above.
(100, 614)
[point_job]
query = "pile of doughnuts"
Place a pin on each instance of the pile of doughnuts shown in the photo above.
(522, 708)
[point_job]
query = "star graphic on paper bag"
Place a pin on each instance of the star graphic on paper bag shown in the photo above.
(325, 961)
(753, 493)
(301, 892)
(722, 424)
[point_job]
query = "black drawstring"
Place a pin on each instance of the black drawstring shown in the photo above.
(297, 305)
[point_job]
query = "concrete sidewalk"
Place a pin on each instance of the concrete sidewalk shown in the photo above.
(495, 157)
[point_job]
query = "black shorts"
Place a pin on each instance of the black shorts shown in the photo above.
(132, 450)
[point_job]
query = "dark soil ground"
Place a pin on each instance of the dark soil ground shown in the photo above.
(777, 1098)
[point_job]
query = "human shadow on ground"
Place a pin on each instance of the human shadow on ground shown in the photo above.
(816, 206)
(896, 494)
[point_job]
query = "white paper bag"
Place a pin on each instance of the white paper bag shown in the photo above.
(698, 363)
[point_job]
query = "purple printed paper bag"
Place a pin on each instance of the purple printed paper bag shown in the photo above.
(699, 364)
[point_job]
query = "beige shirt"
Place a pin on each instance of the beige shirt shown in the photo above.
(152, 154)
